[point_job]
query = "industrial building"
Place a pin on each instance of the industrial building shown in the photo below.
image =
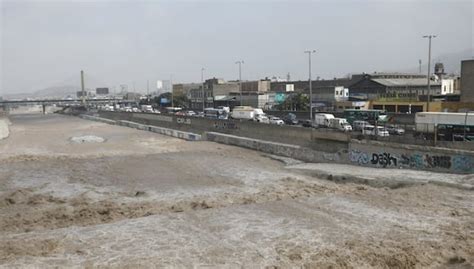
(467, 81)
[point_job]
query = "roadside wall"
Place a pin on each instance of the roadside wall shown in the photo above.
(4, 129)
(314, 139)
(391, 155)
(164, 131)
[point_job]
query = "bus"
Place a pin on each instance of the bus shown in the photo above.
(370, 115)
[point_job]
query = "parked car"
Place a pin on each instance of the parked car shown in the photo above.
(395, 130)
(359, 125)
(276, 120)
(290, 119)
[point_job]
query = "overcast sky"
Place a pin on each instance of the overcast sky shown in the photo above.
(46, 43)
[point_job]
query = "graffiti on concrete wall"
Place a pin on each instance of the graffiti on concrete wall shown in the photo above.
(384, 159)
(462, 163)
(455, 163)
(225, 125)
(183, 120)
(357, 156)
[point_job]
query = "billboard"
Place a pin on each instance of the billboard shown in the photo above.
(280, 98)
(102, 91)
(165, 101)
(290, 87)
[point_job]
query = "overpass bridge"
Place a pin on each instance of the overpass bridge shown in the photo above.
(9, 105)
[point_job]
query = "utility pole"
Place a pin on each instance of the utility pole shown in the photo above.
(147, 92)
(202, 89)
(171, 85)
(310, 86)
(429, 71)
(83, 89)
(240, 78)
(419, 64)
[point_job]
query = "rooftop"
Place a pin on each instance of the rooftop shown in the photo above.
(394, 82)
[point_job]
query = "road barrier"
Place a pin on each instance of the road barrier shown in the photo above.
(160, 130)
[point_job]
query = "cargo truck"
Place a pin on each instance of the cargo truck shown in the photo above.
(249, 113)
(322, 119)
(447, 125)
(340, 124)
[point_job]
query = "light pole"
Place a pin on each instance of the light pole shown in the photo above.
(171, 88)
(429, 71)
(202, 89)
(310, 86)
(240, 79)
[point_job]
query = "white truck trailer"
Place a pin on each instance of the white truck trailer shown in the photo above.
(249, 113)
(323, 119)
(448, 126)
(340, 124)
(425, 122)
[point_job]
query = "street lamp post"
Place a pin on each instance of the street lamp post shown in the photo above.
(310, 86)
(202, 89)
(240, 79)
(429, 71)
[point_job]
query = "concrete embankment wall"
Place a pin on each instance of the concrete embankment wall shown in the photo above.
(287, 150)
(309, 145)
(394, 155)
(4, 129)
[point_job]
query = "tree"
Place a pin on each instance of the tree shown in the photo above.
(179, 100)
(295, 102)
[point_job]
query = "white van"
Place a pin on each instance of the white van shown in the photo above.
(371, 130)
(359, 125)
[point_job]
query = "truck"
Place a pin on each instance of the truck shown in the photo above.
(340, 124)
(448, 126)
(146, 108)
(322, 119)
(243, 113)
(249, 113)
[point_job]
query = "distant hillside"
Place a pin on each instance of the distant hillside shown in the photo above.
(50, 92)
(60, 91)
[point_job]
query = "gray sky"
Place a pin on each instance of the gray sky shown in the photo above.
(46, 43)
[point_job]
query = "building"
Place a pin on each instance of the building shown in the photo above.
(467, 81)
(325, 92)
(390, 86)
(102, 91)
(185, 88)
(132, 96)
(289, 86)
(214, 90)
(329, 91)
(447, 86)
(258, 86)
